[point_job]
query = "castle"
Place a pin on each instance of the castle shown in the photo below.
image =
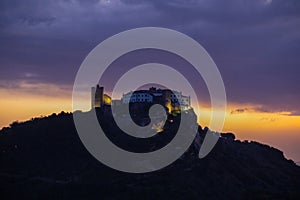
(173, 101)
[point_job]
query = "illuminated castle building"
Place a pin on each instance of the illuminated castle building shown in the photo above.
(173, 101)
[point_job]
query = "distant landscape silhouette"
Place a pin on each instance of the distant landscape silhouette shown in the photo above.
(43, 158)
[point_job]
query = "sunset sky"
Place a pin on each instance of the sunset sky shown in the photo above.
(254, 43)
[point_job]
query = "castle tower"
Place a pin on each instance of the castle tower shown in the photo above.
(167, 99)
(97, 96)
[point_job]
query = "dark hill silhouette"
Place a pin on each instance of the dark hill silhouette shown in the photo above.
(44, 159)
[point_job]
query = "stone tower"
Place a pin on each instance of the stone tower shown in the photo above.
(97, 96)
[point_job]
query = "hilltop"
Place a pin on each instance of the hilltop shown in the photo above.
(44, 159)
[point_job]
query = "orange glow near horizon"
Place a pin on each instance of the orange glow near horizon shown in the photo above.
(279, 130)
(27, 100)
(21, 108)
(276, 129)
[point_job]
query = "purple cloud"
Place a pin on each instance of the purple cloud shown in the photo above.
(255, 43)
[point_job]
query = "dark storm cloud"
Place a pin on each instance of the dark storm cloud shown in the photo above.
(255, 43)
(266, 109)
(239, 110)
